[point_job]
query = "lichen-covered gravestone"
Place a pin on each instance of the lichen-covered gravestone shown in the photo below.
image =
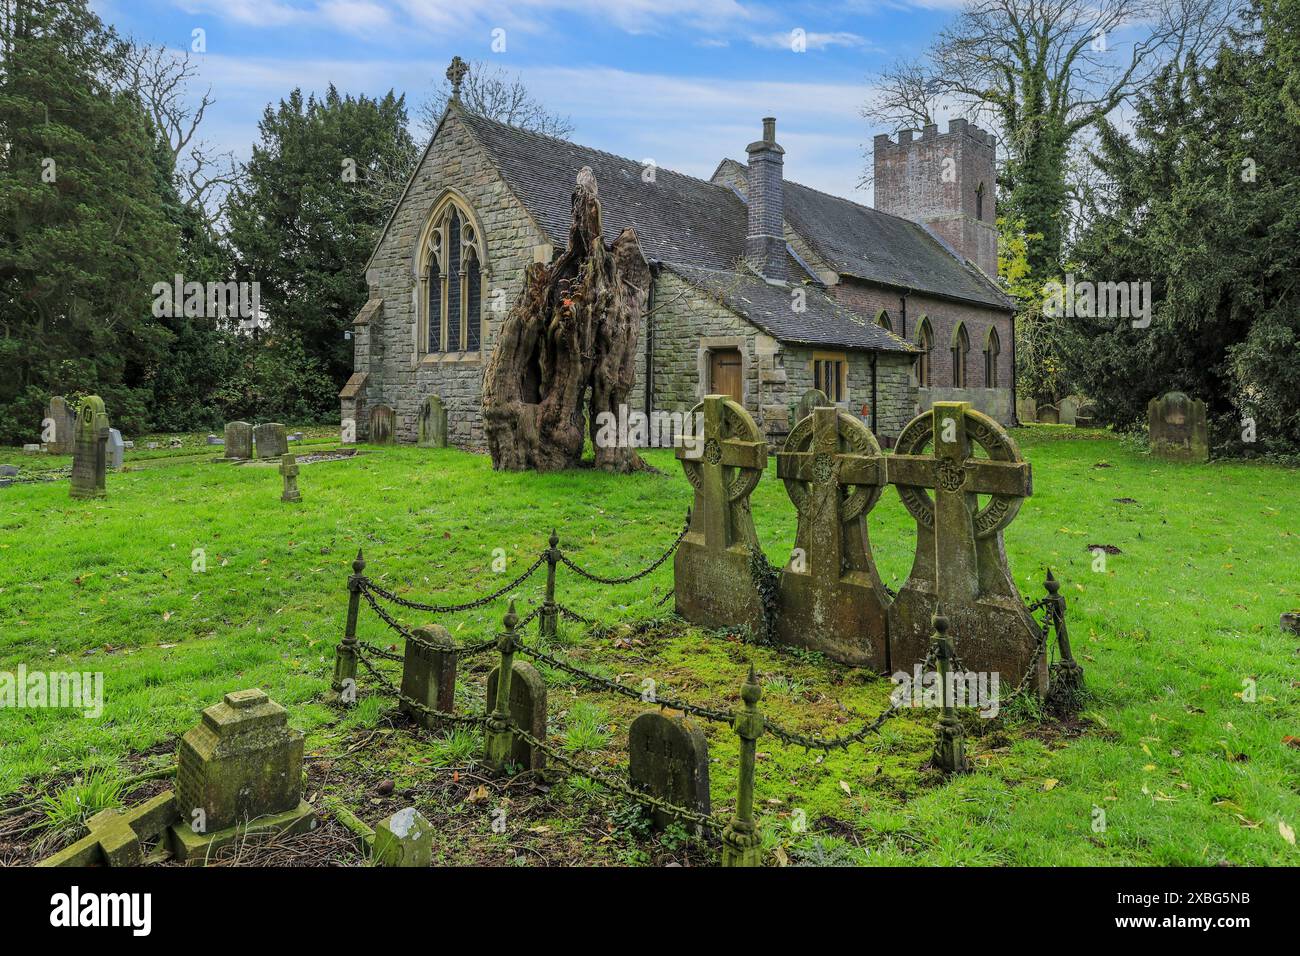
(432, 424)
(239, 775)
(239, 441)
(1178, 428)
(1026, 409)
(712, 584)
(527, 710)
(270, 440)
(961, 561)
(383, 425)
(90, 450)
(62, 420)
(289, 471)
(429, 673)
(1049, 415)
(668, 757)
(832, 598)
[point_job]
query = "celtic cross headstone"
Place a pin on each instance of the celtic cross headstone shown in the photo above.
(961, 561)
(711, 569)
(832, 599)
(90, 450)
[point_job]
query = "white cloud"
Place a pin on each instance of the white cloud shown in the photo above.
(811, 40)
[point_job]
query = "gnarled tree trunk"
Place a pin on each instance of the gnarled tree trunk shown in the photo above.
(572, 332)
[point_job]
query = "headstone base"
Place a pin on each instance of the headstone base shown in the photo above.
(847, 622)
(194, 849)
(715, 589)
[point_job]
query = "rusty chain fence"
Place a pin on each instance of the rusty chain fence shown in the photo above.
(738, 833)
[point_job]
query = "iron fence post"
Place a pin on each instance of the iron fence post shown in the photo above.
(498, 742)
(740, 840)
(343, 687)
(546, 620)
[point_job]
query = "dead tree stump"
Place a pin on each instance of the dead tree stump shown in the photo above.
(568, 347)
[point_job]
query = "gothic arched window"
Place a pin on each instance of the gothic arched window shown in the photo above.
(960, 349)
(452, 273)
(925, 342)
(882, 320)
(992, 350)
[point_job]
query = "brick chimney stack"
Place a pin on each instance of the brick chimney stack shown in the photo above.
(765, 238)
(944, 181)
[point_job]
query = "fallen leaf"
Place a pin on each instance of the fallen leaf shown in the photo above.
(1287, 833)
(845, 787)
(1050, 783)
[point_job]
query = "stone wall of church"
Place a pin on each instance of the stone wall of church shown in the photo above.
(407, 375)
(689, 324)
(867, 300)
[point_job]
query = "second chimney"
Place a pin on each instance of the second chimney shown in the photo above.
(765, 237)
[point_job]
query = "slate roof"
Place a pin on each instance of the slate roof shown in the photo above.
(869, 244)
(768, 306)
(677, 218)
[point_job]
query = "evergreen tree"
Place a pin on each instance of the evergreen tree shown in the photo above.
(302, 226)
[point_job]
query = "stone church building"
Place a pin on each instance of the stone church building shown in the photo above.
(763, 288)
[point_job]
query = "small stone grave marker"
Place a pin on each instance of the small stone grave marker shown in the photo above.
(289, 471)
(269, 440)
(1049, 415)
(812, 398)
(116, 450)
(668, 757)
(383, 425)
(429, 673)
(432, 423)
(242, 763)
(1178, 428)
(404, 839)
(239, 441)
(527, 709)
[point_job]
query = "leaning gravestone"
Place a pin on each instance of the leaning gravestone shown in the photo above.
(429, 674)
(61, 420)
(431, 426)
(668, 758)
(712, 585)
(383, 425)
(832, 599)
(270, 441)
(961, 561)
(239, 774)
(90, 450)
(1178, 429)
(527, 710)
(116, 449)
(239, 441)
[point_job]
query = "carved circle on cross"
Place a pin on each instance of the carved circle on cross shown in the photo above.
(980, 430)
(855, 438)
(736, 424)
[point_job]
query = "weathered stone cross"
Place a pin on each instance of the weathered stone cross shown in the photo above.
(456, 73)
(289, 469)
(711, 567)
(832, 597)
(960, 558)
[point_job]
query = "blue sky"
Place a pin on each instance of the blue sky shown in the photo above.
(682, 82)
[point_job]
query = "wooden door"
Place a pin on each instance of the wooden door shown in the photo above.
(724, 373)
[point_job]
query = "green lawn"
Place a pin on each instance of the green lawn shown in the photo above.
(1190, 766)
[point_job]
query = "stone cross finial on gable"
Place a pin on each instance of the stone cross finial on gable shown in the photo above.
(456, 73)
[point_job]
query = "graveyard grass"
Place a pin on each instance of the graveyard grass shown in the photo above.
(1189, 765)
